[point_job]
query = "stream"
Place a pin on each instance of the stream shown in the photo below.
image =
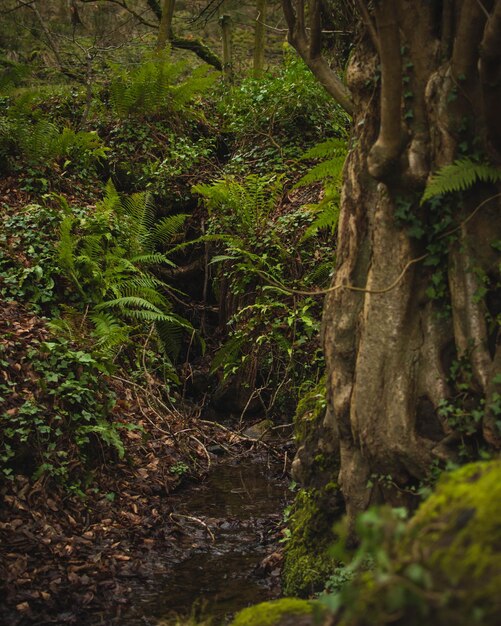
(227, 524)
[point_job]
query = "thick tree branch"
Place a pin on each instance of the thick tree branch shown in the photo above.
(310, 49)
(447, 24)
(467, 41)
(490, 48)
(390, 141)
(490, 75)
(369, 24)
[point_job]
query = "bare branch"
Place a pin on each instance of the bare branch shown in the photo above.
(309, 50)
(123, 4)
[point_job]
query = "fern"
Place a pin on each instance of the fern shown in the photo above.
(107, 256)
(327, 218)
(247, 204)
(109, 331)
(228, 353)
(165, 230)
(42, 140)
(326, 149)
(331, 169)
(154, 85)
(328, 171)
(333, 154)
(459, 176)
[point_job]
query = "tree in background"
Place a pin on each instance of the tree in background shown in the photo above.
(411, 322)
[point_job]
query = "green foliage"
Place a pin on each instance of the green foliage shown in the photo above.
(107, 256)
(442, 567)
(328, 172)
(290, 102)
(54, 427)
(459, 176)
(274, 613)
(12, 73)
(40, 142)
(242, 208)
(259, 250)
(308, 561)
(28, 269)
(270, 120)
(156, 86)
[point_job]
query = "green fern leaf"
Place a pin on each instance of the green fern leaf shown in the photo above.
(326, 170)
(326, 150)
(459, 176)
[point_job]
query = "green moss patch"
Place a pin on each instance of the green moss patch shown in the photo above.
(274, 613)
(446, 568)
(307, 560)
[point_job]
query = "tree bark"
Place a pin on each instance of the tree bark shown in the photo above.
(259, 38)
(390, 352)
(226, 28)
(165, 28)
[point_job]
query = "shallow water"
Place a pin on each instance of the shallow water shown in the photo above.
(240, 503)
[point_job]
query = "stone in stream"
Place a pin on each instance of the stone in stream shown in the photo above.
(260, 430)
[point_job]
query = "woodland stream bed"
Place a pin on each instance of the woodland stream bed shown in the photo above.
(228, 524)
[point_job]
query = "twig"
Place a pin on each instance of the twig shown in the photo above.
(203, 448)
(195, 519)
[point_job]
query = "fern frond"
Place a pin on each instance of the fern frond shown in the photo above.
(228, 353)
(164, 231)
(327, 218)
(125, 301)
(109, 331)
(326, 150)
(67, 244)
(326, 170)
(152, 258)
(459, 176)
(321, 274)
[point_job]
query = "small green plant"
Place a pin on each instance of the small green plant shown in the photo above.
(179, 469)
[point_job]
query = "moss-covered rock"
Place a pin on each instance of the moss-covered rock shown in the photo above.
(308, 562)
(446, 569)
(284, 612)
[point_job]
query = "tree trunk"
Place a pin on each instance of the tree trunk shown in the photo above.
(226, 29)
(165, 27)
(259, 38)
(412, 346)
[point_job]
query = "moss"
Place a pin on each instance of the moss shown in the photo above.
(310, 410)
(446, 568)
(307, 559)
(457, 533)
(273, 613)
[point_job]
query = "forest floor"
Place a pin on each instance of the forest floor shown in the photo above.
(64, 554)
(70, 551)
